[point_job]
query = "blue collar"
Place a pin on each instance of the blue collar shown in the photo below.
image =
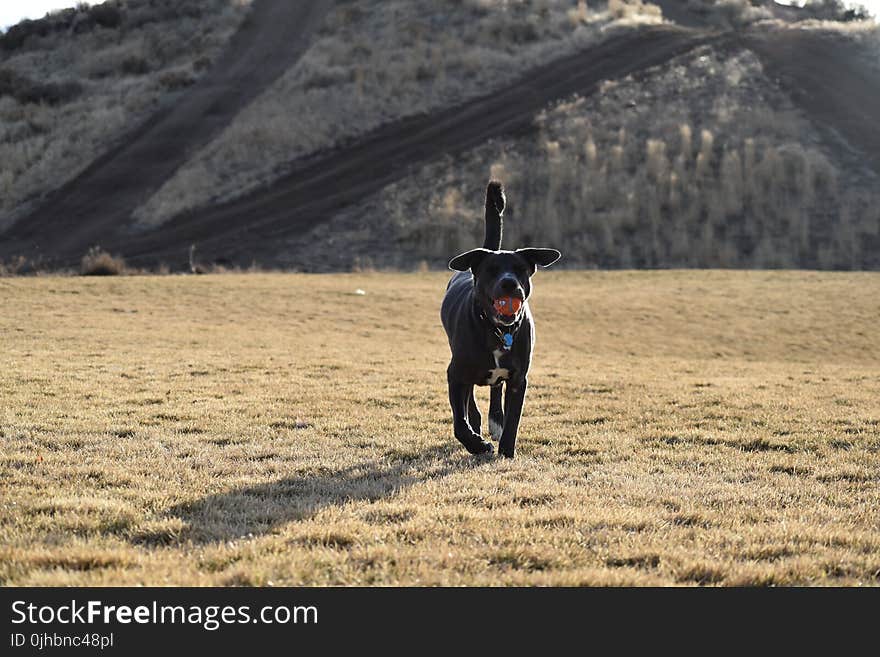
(506, 334)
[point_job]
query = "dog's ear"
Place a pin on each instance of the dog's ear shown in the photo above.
(542, 257)
(468, 260)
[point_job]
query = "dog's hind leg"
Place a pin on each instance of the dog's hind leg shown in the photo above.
(496, 412)
(459, 394)
(474, 417)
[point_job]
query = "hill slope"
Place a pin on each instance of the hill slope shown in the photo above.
(97, 203)
(74, 85)
(273, 225)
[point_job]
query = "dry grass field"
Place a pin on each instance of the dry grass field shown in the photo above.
(712, 428)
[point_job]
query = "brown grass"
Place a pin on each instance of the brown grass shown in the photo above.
(695, 428)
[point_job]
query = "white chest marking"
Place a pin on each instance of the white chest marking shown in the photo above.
(498, 373)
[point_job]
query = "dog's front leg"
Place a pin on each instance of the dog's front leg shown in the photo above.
(459, 397)
(496, 411)
(475, 418)
(513, 403)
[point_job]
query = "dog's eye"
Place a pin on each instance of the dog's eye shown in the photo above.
(492, 270)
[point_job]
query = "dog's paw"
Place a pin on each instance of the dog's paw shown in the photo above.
(480, 447)
(495, 429)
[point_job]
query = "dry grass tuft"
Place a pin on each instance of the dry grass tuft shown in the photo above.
(695, 428)
(12, 267)
(98, 262)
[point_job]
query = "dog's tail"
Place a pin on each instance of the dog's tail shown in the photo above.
(494, 210)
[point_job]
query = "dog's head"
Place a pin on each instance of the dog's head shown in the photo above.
(502, 279)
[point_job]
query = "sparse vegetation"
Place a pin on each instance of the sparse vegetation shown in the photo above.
(27, 91)
(97, 262)
(373, 63)
(835, 10)
(73, 83)
(736, 14)
(731, 14)
(692, 428)
(703, 164)
(13, 266)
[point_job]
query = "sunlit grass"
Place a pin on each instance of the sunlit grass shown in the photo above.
(681, 428)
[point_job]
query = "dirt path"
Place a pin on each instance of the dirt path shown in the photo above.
(91, 207)
(249, 228)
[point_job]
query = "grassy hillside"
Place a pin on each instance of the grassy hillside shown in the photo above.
(76, 81)
(709, 161)
(376, 62)
(704, 162)
(714, 428)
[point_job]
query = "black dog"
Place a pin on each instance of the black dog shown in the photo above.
(486, 316)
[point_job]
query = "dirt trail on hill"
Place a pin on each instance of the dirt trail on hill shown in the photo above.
(96, 203)
(250, 228)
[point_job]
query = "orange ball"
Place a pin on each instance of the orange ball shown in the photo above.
(507, 306)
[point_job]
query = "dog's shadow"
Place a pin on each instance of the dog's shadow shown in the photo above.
(259, 509)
